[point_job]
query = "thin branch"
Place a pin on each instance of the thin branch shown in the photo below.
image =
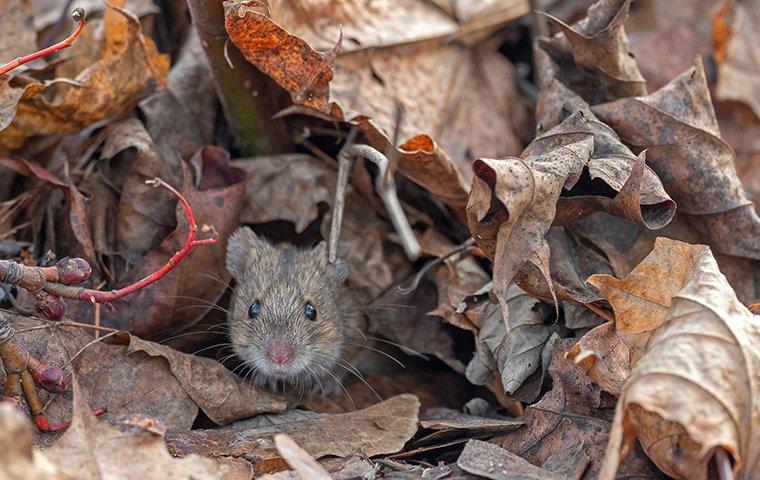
(345, 163)
(50, 284)
(79, 16)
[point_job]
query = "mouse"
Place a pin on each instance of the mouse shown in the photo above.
(291, 316)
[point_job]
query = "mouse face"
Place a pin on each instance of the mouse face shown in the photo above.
(286, 320)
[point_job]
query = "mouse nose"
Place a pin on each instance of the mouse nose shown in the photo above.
(280, 352)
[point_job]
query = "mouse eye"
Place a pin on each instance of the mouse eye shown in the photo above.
(254, 309)
(310, 311)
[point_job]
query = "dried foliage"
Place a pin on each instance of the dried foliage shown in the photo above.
(547, 220)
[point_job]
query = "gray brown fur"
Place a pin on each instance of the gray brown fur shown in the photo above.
(283, 279)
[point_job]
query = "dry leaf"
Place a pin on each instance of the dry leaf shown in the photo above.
(457, 98)
(599, 47)
(92, 449)
(223, 396)
(677, 126)
(738, 62)
(571, 413)
(641, 302)
(286, 187)
(491, 461)
(381, 429)
(707, 351)
(105, 89)
(18, 36)
(19, 458)
(299, 459)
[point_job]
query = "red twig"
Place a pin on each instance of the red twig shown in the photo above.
(79, 16)
(98, 296)
(50, 284)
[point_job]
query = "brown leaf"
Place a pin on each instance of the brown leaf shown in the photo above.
(381, 429)
(18, 36)
(91, 448)
(299, 459)
(571, 413)
(677, 126)
(707, 351)
(457, 98)
(510, 344)
(223, 396)
(599, 47)
(19, 458)
(738, 62)
(145, 215)
(641, 302)
(491, 461)
(447, 424)
(113, 84)
(180, 300)
(47, 12)
(286, 187)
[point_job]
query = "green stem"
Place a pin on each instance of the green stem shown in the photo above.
(248, 96)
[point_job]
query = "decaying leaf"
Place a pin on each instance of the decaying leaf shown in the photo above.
(379, 429)
(91, 448)
(738, 60)
(572, 412)
(641, 302)
(491, 461)
(707, 351)
(119, 78)
(19, 458)
(336, 66)
(17, 35)
(510, 347)
(599, 46)
(299, 459)
(286, 187)
(223, 396)
(677, 127)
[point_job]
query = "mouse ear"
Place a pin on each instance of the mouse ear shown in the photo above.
(320, 253)
(244, 250)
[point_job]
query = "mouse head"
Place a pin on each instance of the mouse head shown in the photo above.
(286, 322)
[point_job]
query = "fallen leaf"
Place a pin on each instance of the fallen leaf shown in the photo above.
(491, 461)
(299, 459)
(223, 396)
(510, 344)
(358, 81)
(572, 412)
(180, 300)
(48, 12)
(381, 429)
(103, 90)
(446, 424)
(599, 47)
(18, 36)
(738, 64)
(286, 187)
(707, 350)
(641, 302)
(677, 127)
(19, 458)
(91, 448)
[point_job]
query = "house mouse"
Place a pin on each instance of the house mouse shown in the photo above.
(291, 318)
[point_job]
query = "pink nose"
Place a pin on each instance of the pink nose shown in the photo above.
(279, 352)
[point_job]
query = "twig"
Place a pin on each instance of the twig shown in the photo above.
(24, 374)
(386, 188)
(345, 162)
(725, 472)
(79, 16)
(51, 284)
(415, 282)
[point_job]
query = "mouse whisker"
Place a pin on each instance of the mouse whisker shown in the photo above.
(212, 346)
(351, 368)
(213, 307)
(400, 346)
(378, 351)
(316, 377)
(221, 282)
(339, 383)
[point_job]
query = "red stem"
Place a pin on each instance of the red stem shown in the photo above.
(78, 15)
(98, 296)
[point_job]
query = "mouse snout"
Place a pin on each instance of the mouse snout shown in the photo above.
(280, 351)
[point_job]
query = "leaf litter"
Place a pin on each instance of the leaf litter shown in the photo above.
(583, 184)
